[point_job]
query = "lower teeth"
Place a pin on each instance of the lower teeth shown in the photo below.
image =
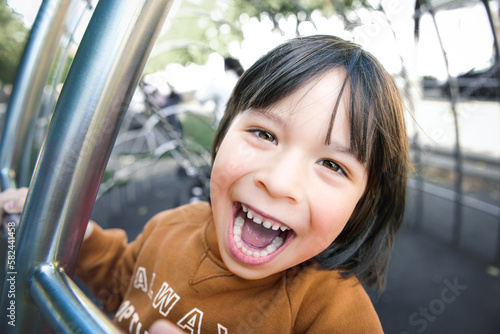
(271, 248)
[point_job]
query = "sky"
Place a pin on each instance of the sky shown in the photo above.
(27, 8)
(465, 34)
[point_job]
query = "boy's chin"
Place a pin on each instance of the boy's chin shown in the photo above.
(250, 274)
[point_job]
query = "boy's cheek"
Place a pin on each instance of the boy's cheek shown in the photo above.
(246, 153)
(230, 164)
(324, 238)
(217, 186)
(237, 147)
(223, 174)
(322, 242)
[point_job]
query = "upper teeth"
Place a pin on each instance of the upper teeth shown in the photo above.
(267, 224)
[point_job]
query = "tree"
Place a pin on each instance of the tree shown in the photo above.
(13, 35)
(199, 27)
(302, 9)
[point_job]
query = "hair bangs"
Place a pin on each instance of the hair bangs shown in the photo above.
(359, 111)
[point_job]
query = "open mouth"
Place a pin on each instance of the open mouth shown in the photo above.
(258, 236)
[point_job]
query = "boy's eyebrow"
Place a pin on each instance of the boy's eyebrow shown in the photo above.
(343, 149)
(268, 114)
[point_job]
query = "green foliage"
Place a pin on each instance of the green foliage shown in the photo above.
(197, 128)
(200, 27)
(255, 8)
(197, 29)
(13, 36)
(60, 68)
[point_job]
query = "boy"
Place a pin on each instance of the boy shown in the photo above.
(307, 192)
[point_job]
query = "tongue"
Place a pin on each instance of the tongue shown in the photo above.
(257, 235)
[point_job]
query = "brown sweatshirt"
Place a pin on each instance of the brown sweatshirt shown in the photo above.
(174, 270)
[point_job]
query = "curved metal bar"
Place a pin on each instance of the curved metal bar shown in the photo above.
(73, 20)
(453, 88)
(81, 134)
(487, 8)
(67, 315)
(30, 80)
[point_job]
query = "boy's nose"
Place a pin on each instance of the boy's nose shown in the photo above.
(282, 177)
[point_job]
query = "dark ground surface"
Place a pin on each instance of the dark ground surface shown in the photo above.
(432, 286)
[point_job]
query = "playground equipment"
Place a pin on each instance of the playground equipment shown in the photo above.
(84, 126)
(64, 185)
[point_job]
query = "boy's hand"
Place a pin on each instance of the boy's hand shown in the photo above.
(165, 327)
(12, 200)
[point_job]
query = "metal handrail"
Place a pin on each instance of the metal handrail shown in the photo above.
(32, 74)
(52, 284)
(64, 185)
(76, 20)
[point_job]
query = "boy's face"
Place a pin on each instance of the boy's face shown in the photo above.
(279, 194)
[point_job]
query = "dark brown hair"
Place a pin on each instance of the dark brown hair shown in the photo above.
(378, 136)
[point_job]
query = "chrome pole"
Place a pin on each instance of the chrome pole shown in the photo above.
(39, 53)
(32, 74)
(65, 315)
(81, 134)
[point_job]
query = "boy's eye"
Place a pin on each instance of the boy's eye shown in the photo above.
(265, 135)
(332, 166)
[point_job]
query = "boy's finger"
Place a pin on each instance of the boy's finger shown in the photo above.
(14, 206)
(164, 327)
(12, 200)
